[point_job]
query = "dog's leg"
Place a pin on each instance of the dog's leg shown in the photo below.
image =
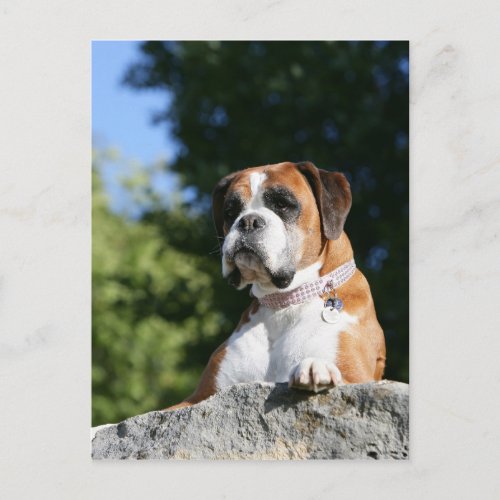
(314, 374)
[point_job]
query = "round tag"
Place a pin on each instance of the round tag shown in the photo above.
(330, 315)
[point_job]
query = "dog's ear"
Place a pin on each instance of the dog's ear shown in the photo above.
(333, 197)
(218, 195)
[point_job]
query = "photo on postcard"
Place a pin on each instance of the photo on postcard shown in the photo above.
(250, 247)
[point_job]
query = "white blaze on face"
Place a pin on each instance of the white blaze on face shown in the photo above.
(256, 180)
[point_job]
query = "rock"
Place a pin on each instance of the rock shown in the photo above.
(271, 422)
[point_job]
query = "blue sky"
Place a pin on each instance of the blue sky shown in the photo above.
(122, 120)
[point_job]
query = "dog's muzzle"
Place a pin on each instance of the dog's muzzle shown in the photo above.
(251, 248)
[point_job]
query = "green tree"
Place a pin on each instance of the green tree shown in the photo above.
(151, 303)
(342, 105)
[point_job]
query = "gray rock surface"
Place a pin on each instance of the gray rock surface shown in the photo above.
(269, 421)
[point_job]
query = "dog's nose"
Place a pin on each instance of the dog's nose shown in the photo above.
(251, 222)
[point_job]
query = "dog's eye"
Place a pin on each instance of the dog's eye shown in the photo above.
(228, 212)
(232, 207)
(282, 202)
(231, 212)
(281, 205)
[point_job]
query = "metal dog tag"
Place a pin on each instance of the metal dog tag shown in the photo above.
(330, 315)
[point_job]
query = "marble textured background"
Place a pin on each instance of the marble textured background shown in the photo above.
(45, 247)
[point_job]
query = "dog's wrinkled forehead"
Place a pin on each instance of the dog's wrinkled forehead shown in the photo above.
(251, 184)
(300, 185)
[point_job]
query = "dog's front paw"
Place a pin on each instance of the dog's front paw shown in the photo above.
(314, 374)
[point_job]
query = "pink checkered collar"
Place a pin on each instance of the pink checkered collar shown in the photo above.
(311, 290)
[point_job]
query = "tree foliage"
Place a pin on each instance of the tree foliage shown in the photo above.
(342, 105)
(153, 306)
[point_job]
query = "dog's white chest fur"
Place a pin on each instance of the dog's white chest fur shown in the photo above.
(272, 343)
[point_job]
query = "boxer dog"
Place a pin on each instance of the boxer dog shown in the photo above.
(312, 322)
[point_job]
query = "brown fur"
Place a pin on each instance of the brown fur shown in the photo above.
(361, 351)
(206, 386)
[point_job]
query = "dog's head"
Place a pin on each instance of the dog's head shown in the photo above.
(274, 220)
